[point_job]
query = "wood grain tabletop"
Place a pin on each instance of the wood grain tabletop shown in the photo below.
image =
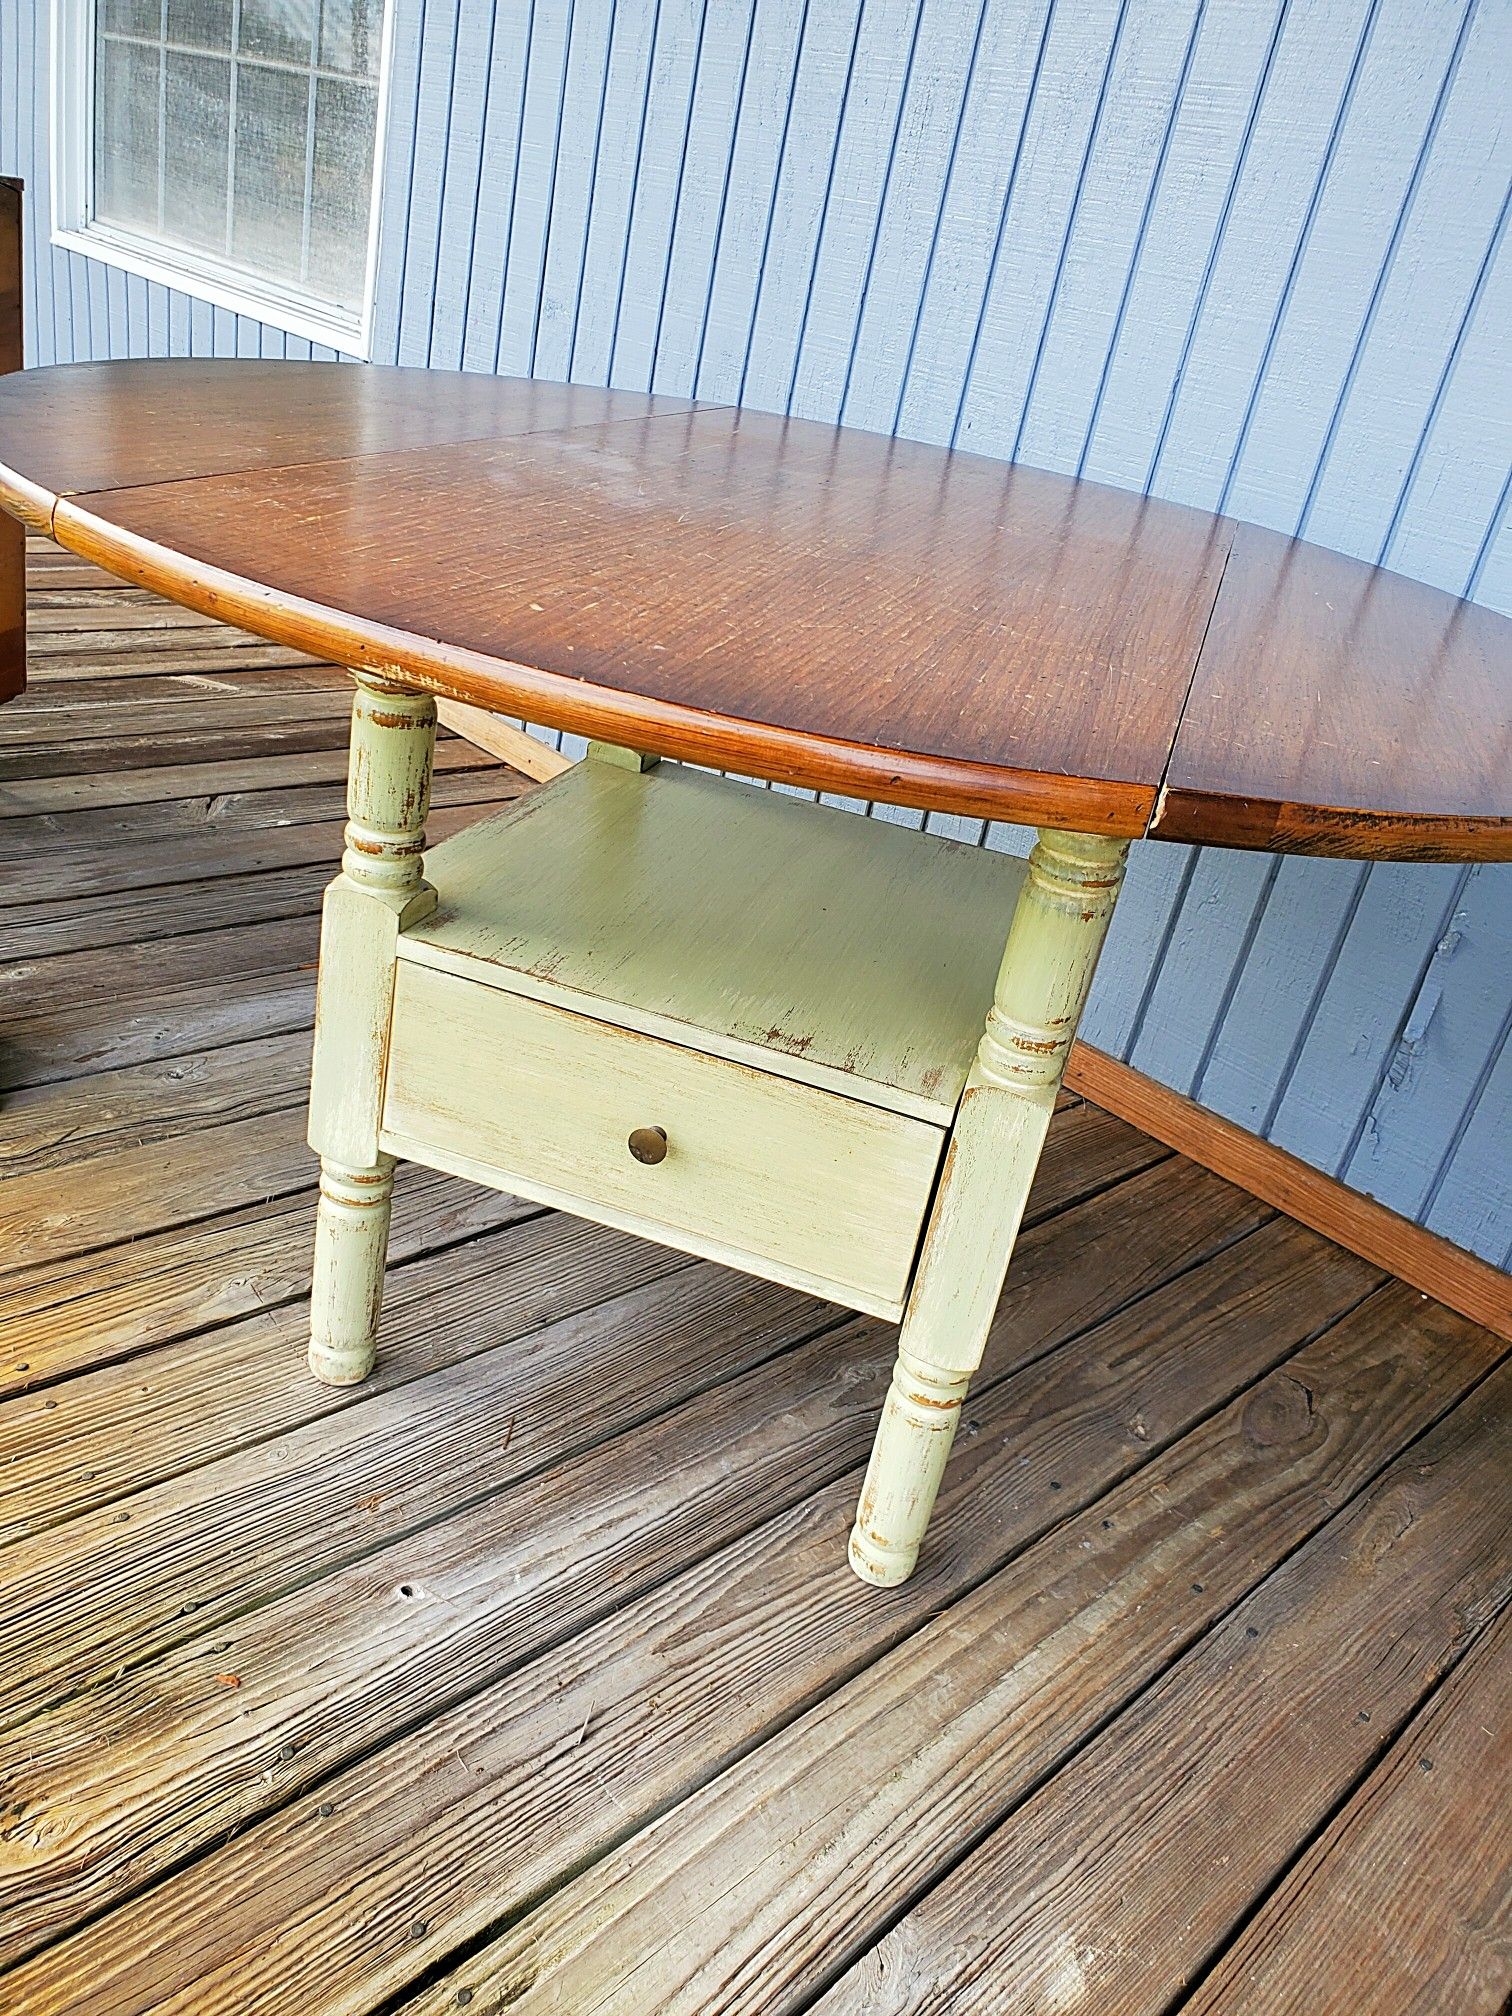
(822, 606)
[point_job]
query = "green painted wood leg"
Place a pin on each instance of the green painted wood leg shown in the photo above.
(346, 1289)
(379, 890)
(1053, 944)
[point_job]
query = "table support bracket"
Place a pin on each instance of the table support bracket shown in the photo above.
(1054, 940)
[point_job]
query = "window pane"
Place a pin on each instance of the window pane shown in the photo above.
(272, 130)
(200, 24)
(130, 17)
(281, 28)
(344, 115)
(126, 132)
(351, 36)
(198, 123)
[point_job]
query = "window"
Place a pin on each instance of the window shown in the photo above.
(226, 147)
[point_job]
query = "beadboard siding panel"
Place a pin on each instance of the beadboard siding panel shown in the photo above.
(1247, 254)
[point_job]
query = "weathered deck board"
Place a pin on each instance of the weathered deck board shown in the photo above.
(71, 1449)
(532, 1673)
(1123, 1876)
(46, 1217)
(172, 656)
(278, 769)
(109, 1588)
(53, 736)
(248, 803)
(71, 710)
(1411, 1878)
(67, 1043)
(173, 865)
(96, 1308)
(749, 1894)
(71, 1121)
(768, 1470)
(121, 972)
(35, 931)
(321, 726)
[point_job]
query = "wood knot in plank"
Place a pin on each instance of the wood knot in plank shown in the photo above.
(1278, 1412)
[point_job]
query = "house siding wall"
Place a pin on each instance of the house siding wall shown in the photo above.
(1247, 254)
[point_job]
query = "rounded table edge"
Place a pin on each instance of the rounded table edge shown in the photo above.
(1116, 808)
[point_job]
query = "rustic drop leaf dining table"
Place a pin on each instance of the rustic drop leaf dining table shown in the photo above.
(820, 1048)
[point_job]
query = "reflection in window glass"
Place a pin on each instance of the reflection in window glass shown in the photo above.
(130, 17)
(342, 178)
(200, 24)
(196, 112)
(284, 29)
(350, 37)
(272, 136)
(126, 103)
(243, 130)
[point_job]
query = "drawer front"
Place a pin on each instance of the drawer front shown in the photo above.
(784, 1180)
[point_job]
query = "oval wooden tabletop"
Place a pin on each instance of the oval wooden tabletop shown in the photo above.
(831, 608)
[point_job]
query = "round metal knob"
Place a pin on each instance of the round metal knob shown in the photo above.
(649, 1144)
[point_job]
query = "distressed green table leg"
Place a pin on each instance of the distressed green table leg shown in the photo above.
(1053, 944)
(346, 1292)
(377, 893)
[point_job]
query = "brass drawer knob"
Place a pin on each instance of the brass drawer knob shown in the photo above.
(649, 1144)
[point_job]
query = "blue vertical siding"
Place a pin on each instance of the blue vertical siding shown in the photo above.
(1247, 254)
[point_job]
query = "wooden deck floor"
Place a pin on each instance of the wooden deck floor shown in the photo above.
(532, 1676)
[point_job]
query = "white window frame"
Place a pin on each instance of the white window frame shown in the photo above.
(199, 274)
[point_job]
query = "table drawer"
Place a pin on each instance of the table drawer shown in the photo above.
(787, 1181)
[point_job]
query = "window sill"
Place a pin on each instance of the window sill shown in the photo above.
(295, 314)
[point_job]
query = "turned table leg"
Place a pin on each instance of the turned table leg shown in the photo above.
(378, 892)
(1053, 944)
